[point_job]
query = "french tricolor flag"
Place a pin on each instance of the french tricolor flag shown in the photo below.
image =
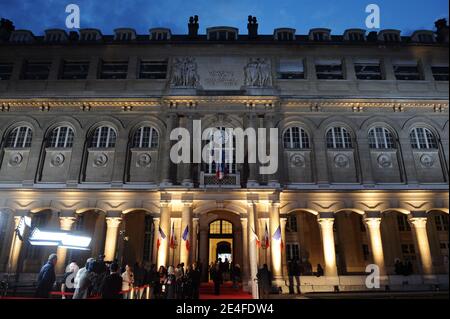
(172, 237)
(161, 237)
(186, 238)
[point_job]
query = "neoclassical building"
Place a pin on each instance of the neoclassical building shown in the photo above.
(363, 149)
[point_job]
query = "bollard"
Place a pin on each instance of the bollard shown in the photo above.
(147, 292)
(131, 293)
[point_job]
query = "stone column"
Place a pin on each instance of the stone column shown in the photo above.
(275, 247)
(326, 221)
(419, 223)
(365, 162)
(245, 262)
(274, 179)
(66, 224)
(155, 241)
(186, 168)
(166, 163)
(373, 222)
(194, 245)
(253, 253)
(163, 251)
(186, 221)
(112, 229)
(203, 253)
(283, 252)
(252, 167)
(16, 246)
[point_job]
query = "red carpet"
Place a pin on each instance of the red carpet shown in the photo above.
(226, 292)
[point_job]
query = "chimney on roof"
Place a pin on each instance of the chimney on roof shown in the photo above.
(6, 27)
(193, 27)
(252, 27)
(442, 31)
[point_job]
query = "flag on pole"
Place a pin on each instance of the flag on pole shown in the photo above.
(254, 236)
(161, 237)
(266, 244)
(186, 237)
(172, 237)
(277, 236)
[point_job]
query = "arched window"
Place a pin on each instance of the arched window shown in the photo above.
(221, 227)
(227, 151)
(422, 138)
(338, 137)
(296, 138)
(380, 137)
(20, 137)
(61, 137)
(104, 137)
(145, 137)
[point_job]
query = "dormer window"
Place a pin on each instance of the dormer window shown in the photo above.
(284, 34)
(406, 70)
(423, 36)
(90, 35)
(355, 35)
(55, 36)
(21, 36)
(222, 33)
(124, 34)
(389, 36)
(160, 34)
(320, 35)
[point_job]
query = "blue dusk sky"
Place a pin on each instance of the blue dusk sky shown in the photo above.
(338, 15)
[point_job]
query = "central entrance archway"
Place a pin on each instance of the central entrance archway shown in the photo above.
(220, 236)
(221, 241)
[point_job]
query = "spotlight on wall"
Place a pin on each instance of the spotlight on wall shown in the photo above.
(60, 239)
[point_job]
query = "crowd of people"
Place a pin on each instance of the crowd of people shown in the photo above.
(221, 271)
(102, 279)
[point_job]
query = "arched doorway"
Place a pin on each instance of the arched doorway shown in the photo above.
(221, 241)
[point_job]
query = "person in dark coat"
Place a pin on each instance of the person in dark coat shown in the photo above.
(320, 271)
(47, 277)
(195, 276)
(112, 284)
(265, 281)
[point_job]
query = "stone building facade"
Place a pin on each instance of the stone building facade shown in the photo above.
(363, 149)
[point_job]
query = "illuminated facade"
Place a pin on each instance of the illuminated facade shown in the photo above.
(363, 150)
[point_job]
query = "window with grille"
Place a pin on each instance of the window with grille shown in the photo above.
(291, 69)
(391, 37)
(145, 137)
(221, 227)
(112, 70)
(441, 222)
(285, 36)
(339, 138)
(153, 69)
(5, 71)
(368, 70)
(356, 36)
(4, 217)
(291, 224)
(403, 224)
(329, 70)
(36, 70)
(380, 137)
(104, 137)
(148, 237)
(292, 251)
(405, 70)
(422, 138)
(61, 137)
(296, 138)
(227, 149)
(20, 137)
(440, 73)
(408, 252)
(321, 36)
(73, 70)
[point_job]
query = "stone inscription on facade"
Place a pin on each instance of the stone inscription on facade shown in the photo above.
(233, 73)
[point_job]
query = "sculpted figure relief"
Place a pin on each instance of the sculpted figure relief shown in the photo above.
(184, 73)
(258, 73)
